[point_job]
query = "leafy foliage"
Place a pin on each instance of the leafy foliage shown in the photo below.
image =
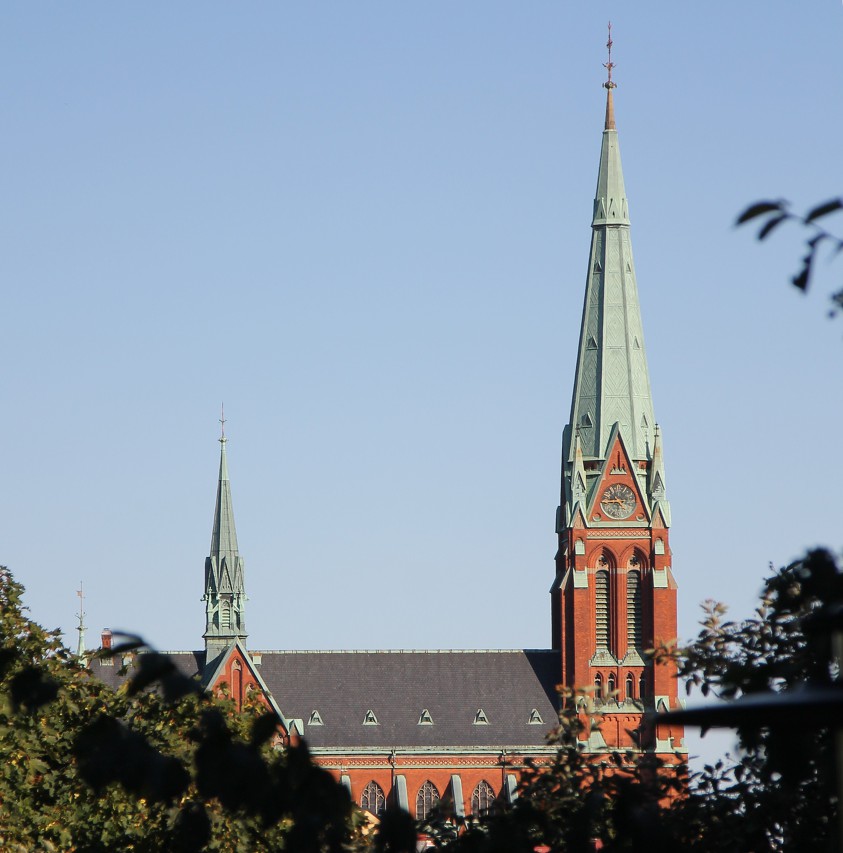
(170, 768)
(774, 213)
(781, 792)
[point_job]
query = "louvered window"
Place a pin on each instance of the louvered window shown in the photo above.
(373, 799)
(426, 800)
(601, 595)
(633, 610)
(226, 615)
(483, 799)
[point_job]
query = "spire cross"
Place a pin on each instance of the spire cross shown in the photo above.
(222, 438)
(609, 65)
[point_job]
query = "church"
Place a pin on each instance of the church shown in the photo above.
(415, 727)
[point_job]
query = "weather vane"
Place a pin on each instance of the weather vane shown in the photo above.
(609, 65)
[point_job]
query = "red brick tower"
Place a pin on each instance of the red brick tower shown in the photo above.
(614, 595)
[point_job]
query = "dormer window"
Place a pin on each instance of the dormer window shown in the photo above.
(425, 719)
(370, 719)
(535, 718)
(315, 719)
(480, 718)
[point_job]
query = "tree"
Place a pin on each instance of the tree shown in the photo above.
(775, 213)
(169, 768)
(781, 791)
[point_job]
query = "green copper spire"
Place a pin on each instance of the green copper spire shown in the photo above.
(225, 593)
(612, 384)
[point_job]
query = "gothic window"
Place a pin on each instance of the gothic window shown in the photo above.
(598, 686)
(373, 799)
(612, 683)
(630, 686)
(633, 609)
(601, 598)
(426, 800)
(237, 684)
(226, 615)
(483, 799)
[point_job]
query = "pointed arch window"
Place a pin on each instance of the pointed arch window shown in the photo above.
(630, 686)
(598, 686)
(426, 800)
(602, 605)
(483, 799)
(372, 799)
(612, 684)
(633, 608)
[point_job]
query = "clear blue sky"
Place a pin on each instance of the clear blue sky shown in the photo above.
(364, 226)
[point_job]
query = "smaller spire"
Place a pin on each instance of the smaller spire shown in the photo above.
(609, 85)
(80, 645)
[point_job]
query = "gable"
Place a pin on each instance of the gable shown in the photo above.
(617, 497)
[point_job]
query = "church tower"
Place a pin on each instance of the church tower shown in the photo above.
(225, 593)
(614, 595)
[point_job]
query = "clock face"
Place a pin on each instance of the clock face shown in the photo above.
(618, 501)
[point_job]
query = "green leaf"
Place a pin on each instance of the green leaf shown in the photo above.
(800, 280)
(759, 209)
(771, 224)
(824, 209)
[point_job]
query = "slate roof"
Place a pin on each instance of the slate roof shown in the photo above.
(397, 686)
(190, 663)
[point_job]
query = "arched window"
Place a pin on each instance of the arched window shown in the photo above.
(598, 686)
(226, 615)
(633, 608)
(483, 799)
(601, 603)
(373, 799)
(630, 686)
(237, 684)
(426, 800)
(612, 684)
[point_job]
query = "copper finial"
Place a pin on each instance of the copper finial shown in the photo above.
(609, 65)
(609, 85)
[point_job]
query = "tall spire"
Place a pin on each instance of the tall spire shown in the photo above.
(612, 383)
(225, 593)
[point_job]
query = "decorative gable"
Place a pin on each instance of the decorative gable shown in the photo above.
(617, 497)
